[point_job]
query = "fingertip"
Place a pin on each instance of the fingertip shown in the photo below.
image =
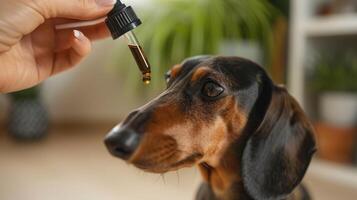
(82, 44)
(77, 34)
(68, 58)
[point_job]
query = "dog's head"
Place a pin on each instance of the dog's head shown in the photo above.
(214, 106)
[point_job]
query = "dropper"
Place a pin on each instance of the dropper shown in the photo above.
(122, 20)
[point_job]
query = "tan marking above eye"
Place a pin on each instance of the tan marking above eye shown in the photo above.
(175, 70)
(200, 72)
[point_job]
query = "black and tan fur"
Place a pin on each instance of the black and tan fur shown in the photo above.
(252, 141)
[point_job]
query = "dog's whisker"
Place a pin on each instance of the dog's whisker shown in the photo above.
(158, 178)
(163, 178)
(178, 177)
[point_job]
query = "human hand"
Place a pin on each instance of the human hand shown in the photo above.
(31, 49)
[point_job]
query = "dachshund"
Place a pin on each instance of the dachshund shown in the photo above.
(248, 137)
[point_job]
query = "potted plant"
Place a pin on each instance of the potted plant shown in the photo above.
(185, 28)
(334, 79)
(28, 117)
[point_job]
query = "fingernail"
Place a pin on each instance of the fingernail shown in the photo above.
(106, 2)
(77, 34)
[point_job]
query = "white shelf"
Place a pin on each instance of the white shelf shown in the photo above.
(304, 27)
(332, 25)
(335, 173)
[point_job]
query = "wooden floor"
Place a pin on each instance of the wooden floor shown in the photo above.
(73, 164)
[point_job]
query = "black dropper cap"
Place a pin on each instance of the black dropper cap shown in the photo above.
(121, 20)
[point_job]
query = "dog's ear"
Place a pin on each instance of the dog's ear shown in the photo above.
(277, 154)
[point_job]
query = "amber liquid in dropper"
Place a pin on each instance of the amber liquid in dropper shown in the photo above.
(142, 62)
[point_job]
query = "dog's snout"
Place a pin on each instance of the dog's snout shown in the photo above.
(130, 116)
(122, 142)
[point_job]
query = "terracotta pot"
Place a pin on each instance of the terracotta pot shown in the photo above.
(335, 143)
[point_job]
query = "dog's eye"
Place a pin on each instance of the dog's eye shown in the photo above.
(211, 89)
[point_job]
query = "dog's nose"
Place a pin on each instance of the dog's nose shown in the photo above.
(122, 142)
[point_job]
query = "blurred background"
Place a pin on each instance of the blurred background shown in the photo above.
(51, 135)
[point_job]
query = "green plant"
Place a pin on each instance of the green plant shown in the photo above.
(334, 72)
(176, 29)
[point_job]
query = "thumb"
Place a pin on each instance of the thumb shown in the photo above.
(76, 9)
